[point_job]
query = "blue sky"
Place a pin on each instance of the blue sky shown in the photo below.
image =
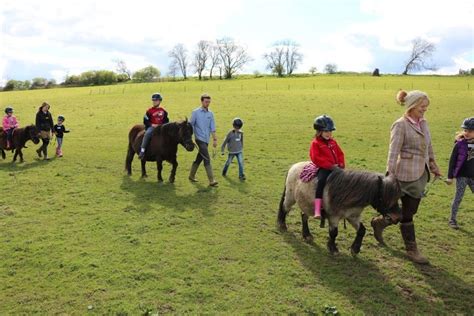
(52, 38)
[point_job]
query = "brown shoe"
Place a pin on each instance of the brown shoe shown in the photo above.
(408, 234)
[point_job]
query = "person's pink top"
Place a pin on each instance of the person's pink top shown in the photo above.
(9, 122)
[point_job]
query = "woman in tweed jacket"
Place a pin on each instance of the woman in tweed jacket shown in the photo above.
(410, 159)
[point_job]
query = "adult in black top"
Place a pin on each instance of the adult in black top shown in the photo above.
(44, 123)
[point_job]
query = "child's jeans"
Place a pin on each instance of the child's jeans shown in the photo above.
(60, 142)
(461, 184)
(240, 160)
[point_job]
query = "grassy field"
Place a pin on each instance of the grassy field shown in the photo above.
(78, 236)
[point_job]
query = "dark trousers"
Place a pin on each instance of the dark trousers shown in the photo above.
(203, 154)
(409, 208)
(322, 176)
(10, 134)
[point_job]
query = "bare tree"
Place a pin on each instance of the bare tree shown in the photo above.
(214, 59)
(121, 68)
(421, 51)
(179, 55)
(173, 70)
(276, 60)
(201, 56)
(232, 55)
(293, 57)
(313, 70)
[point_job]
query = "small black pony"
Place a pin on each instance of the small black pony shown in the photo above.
(162, 147)
(20, 137)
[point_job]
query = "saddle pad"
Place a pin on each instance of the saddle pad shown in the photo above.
(309, 172)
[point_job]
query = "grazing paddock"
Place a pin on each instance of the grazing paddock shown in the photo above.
(78, 235)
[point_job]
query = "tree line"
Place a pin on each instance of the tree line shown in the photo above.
(223, 59)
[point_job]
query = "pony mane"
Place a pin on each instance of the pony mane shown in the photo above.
(353, 188)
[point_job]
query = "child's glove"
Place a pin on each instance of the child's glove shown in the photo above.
(449, 181)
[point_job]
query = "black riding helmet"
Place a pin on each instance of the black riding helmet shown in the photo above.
(468, 123)
(156, 96)
(8, 109)
(324, 123)
(237, 122)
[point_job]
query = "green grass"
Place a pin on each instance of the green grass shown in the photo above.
(77, 232)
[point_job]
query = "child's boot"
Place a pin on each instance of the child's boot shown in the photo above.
(317, 208)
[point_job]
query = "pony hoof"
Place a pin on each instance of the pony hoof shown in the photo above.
(354, 252)
(160, 180)
(282, 227)
(144, 176)
(309, 239)
(171, 180)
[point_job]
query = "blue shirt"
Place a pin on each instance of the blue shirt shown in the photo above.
(203, 124)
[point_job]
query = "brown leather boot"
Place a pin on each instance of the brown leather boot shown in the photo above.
(408, 234)
(380, 222)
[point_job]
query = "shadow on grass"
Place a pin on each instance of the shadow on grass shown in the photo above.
(369, 290)
(455, 294)
(164, 194)
(8, 165)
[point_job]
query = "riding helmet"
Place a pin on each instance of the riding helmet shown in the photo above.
(8, 109)
(61, 118)
(237, 122)
(468, 123)
(156, 96)
(324, 123)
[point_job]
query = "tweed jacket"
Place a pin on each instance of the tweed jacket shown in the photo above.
(410, 150)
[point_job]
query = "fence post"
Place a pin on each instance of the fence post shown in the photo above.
(219, 88)
(288, 87)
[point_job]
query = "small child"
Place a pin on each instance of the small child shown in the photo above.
(154, 116)
(9, 124)
(235, 145)
(326, 154)
(59, 130)
(461, 167)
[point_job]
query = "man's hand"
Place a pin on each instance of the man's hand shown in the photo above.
(214, 143)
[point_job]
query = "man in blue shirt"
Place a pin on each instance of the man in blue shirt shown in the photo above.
(204, 125)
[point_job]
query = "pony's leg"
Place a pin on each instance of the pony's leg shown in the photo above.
(143, 162)
(3, 154)
(305, 229)
(20, 152)
(333, 231)
(360, 228)
(173, 171)
(15, 155)
(129, 159)
(159, 166)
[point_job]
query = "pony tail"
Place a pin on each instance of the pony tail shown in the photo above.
(401, 95)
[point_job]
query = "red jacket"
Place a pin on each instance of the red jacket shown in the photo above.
(155, 116)
(326, 153)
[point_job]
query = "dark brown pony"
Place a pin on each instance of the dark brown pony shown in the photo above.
(163, 146)
(20, 137)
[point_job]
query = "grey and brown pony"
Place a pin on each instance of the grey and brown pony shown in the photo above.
(163, 146)
(345, 196)
(19, 139)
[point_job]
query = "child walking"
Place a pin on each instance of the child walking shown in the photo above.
(59, 130)
(326, 154)
(235, 145)
(9, 123)
(461, 167)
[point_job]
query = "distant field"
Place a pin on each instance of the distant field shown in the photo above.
(78, 236)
